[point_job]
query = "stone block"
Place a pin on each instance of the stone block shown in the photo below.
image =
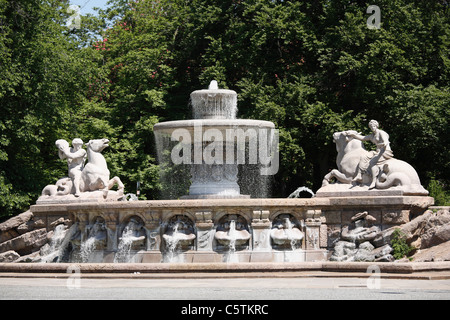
(323, 236)
(436, 236)
(9, 256)
(394, 216)
(8, 235)
(315, 255)
(263, 256)
(26, 243)
(261, 239)
(108, 257)
(16, 221)
(11, 228)
(332, 217)
(347, 215)
(206, 257)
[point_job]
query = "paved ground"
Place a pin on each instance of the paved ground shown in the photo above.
(267, 288)
(199, 289)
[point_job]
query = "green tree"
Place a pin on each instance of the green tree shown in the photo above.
(44, 75)
(311, 67)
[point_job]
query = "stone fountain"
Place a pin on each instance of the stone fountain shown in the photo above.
(210, 218)
(214, 145)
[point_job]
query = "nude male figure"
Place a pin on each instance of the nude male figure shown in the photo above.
(76, 157)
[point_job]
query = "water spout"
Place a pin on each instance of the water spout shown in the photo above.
(214, 103)
(131, 239)
(213, 85)
(55, 251)
(232, 237)
(96, 240)
(178, 237)
(86, 249)
(172, 244)
(290, 234)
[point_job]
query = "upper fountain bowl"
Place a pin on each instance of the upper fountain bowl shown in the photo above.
(214, 103)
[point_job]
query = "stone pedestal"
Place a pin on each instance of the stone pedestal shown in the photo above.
(320, 219)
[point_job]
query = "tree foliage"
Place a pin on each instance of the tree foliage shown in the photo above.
(44, 77)
(311, 67)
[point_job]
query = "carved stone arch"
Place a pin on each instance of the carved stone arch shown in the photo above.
(94, 217)
(219, 215)
(184, 218)
(110, 217)
(126, 216)
(247, 215)
(284, 214)
(239, 218)
(126, 219)
(295, 213)
(167, 216)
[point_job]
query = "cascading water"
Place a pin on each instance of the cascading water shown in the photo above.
(232, 235)
(55, 250)
(289, 234)
(215, 155)
(292, 256)
(172, 245)
(92, 247)
(231, 254)
(287, 238)
(214, 103)
(123, 253)
(178, 237)
(87, 248)
(132, 239)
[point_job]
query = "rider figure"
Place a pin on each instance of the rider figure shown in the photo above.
(76, 156)
(371, 162)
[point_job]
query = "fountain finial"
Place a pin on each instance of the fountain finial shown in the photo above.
(213, 85)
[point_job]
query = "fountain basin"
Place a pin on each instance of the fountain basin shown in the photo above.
(213, 151)
(286, 232)
(183, 240)
(213, 145)
(282, 237)
(323, 220)
(204, 124)
(232, 232)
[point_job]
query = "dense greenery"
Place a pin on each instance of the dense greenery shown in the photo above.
(312, 67)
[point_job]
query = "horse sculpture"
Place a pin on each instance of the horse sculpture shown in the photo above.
(393, 173)
(94, 175)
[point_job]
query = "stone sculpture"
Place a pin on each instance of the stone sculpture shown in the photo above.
(232, 231)
(357, 241)
(180, 233)
(362, 170)
(98, 233)
(286, 232)
(133, 234)
(373, 159)
(363, 229)
(84, 179)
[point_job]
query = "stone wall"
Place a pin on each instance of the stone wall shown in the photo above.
(320, 219)
(388, 212)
